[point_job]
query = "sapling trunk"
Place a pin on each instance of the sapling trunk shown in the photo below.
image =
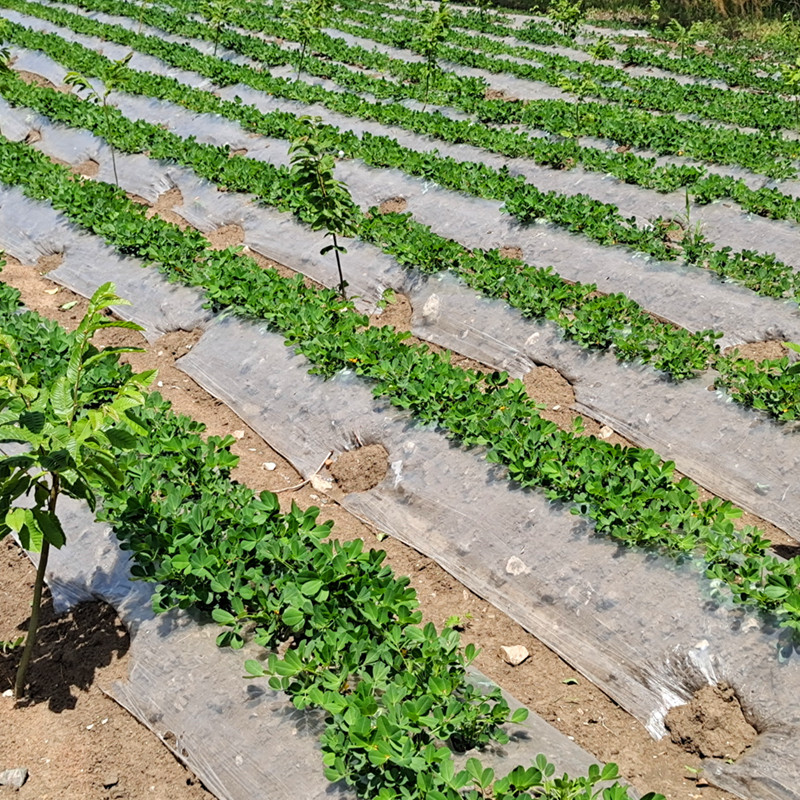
(302, 59)
(216, 39)
(113, 154)
(30, 639)
(339, 267)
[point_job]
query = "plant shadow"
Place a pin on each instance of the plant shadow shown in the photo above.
(69, 649)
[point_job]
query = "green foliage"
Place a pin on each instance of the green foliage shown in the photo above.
(5, 52)
(567, 15)
(329, 204)
(113, 77)
(303, 20)
(391, 691)
(435, 26)
(70, 429)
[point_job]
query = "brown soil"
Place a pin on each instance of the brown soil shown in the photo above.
(397, 313)
(226, 236)
(759, 351)
(512, 252)
(38, 80)
(395, 205)
(242, 151)
(48, 263)
(75, 741)
(360, 469)
(712, 724)
(499, 94)
(88, 169)
(543, 682)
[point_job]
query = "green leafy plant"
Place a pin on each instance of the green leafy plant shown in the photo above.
(567, 16)
(8, 645)
(5, 52)
(435, 27)
(217, 12)
(72, 430)
(790, 75)
(331, 208)
(303, 19)
(113, 77)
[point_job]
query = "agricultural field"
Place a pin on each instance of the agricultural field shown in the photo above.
(513, 300)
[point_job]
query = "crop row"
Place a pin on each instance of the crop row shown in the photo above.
(628, 493)
(595, 321)
(759, 152)
(601, 322)
(609, 83)
(627, 166)
(579, 213)
(393, 693)
(737, 69)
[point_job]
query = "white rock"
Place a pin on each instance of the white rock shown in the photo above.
(605, 432)
(321, 484)
(238, 434)
(515, 654)
(269, 465)
(516, 566)
(14, 777)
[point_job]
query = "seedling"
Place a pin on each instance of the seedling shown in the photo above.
(567, 16)
(436, 25)
(5, 51)
(113, 78)
(331, 208)
(304, 19)
(217, 13)
(790, 75)
(73, 430)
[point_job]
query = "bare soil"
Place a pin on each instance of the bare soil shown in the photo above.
(712, 725)
(543, 682)
(75, 741)
(393, 205)
(360, 469)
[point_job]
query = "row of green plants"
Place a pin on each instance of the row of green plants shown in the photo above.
(606, 322)
(602, 222)
(628, 493)
(739, 69)
(768, 112)
(396, 696)
(565, 153)
(760, 152)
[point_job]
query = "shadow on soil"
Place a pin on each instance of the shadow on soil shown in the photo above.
(69, 649)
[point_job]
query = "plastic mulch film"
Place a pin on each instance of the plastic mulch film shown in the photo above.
(647, 631)
(241, 738)
(692, 298)
(735, 452)
(722, 223)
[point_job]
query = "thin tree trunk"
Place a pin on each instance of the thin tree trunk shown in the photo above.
(30, 639)
(339, 267)
(113, 155)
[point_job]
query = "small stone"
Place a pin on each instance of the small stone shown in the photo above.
(14, 777)
(516, 566)
(110, 779)
(8, 693)
(269, 465)
(238, 434)
(605, 432)
(515, 654)
(321, 484)
(556, 408)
